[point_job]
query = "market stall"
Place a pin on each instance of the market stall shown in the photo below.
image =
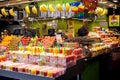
(46, 46)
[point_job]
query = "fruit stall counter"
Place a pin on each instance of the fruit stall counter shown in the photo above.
(70, 72)
(28, 58)
(87, 68)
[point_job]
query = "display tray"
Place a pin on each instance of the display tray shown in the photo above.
(70, 72)
(22, 76)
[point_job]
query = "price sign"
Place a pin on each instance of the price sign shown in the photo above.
(59, 38)
(90, 4)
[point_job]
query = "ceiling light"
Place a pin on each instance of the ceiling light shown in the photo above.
(2, 0)
(111, 5)
(102, 2)
(115, 1)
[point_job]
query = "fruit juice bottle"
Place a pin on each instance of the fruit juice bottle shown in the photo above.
(55, 50)
(67, 51)
(33, 71)
(63, 51)
(53, 72)
(10, 68)
(32, 50)
(60, 50)
(71, 51)
(49, 74)
(22, 68)
(42, 70)
(28, 48)
(46, 71)
(51, 50)
(0, 59)
(4, 58)
(36, 49)
(41, 49)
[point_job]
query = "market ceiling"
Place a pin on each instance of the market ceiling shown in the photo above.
(115, 1)
(107, 3)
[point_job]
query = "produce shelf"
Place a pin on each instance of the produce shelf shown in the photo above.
(70, 72)
(22, 76)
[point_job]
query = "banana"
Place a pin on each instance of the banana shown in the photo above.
(81, 6)
(3, 11)
(12, 12)
(74, 8)
(104, 12)
(51, 8)
(67, 7)
(40, 8)
(44, 8)
(100, 10)
(34, 10)
(1, 15)
(59, 7)
(27, 9)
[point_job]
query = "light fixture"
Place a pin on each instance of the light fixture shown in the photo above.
(102, 2)
(111, 5)
(115, 1)
(2, 0)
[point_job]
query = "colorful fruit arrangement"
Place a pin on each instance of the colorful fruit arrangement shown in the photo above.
(32, 69)
(45, 58)
(47, 41)
(39, 56)
(101, 11)
(2, 58)
(14, 42)
(99, 48)
(6, 41)
(25, 40)
(12, 13)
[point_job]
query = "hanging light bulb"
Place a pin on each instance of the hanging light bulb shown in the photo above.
(115, 1)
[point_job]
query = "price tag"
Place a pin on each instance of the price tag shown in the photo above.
(59, 38)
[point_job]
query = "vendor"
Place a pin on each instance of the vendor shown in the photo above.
(5, 33)
(83, 31)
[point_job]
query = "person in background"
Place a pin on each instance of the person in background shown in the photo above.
(5, 33)
(83, 31)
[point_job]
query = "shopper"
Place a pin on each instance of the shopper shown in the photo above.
(5, 33)
(83, 31)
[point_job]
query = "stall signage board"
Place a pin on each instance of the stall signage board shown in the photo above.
(59, 38)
